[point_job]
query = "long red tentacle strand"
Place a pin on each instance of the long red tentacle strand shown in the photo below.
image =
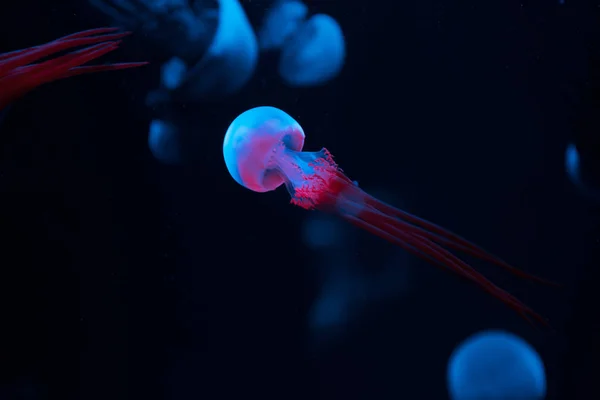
(18, 75)
(328, 189)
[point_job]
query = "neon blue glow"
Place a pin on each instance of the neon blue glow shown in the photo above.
(494, 365)
(163, 142)
(282, 20)
(314, 54)
(173, 73)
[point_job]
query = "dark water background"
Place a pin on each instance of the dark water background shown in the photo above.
(124, 279)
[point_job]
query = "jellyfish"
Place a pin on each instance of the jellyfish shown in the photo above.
(214, 44)
(583, 171)
(314, 54)
(19, 73)
(163, 141)
(495, 365)
(263, 150)
(281, 21)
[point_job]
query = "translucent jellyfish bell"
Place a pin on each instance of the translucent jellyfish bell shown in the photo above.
(249, 144)
(314, 54)
(580, 174)
(213, 41)
(281, 21)
(172, 73)
(231, 58)
(163, 141)
(496, 365)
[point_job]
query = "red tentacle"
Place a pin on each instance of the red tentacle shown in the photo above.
(433, 252)
(17, 77)
(438, 234)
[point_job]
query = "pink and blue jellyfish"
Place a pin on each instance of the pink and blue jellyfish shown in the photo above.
(263, 150)
(212, 45)
(495, 365)
(313, 50)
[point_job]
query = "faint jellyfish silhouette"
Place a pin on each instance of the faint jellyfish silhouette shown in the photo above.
(281, 21)
(213, 41)
(581, 173)
(173, 73)
(231, 58)
(179, 28)
(322, 231)
(349, 285)
(164, 143)
(495, 365)
(314, 54)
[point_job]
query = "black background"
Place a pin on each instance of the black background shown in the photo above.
(124, 279)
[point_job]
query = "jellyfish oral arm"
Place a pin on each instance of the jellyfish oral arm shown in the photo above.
(18, 76)
(316, 182)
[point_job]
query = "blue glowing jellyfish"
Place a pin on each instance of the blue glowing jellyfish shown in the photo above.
(281, 21)
(215, 47)
(163, 141)
(314, 53)
(173, 73)
(580, 174)
(170, 27)
(496, 365)
(263, 150)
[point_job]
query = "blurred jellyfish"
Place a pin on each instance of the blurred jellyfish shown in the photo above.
(495, 365)
(580, 171)
(164, 142)
(179, 28)
(321, 231)
(231, 58)
(281, 21)
(314, 53)
(348, 285)
(214, 45)
(173, 73)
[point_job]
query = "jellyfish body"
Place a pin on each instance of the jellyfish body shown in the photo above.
(584, 174)
(163, 141)
(263, 150)
(231, 58)
(281, 21)
(177, 28)
(172, 73)
(19, 73)
(213, 38)
(495, 365)
(314, 54)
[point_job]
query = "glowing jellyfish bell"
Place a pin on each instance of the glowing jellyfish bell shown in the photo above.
(214, 44)
(281, 21)
(163, 141)
(494, 365)
(580, 174)
(231, 58)
(314, 54)
(248, 145)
